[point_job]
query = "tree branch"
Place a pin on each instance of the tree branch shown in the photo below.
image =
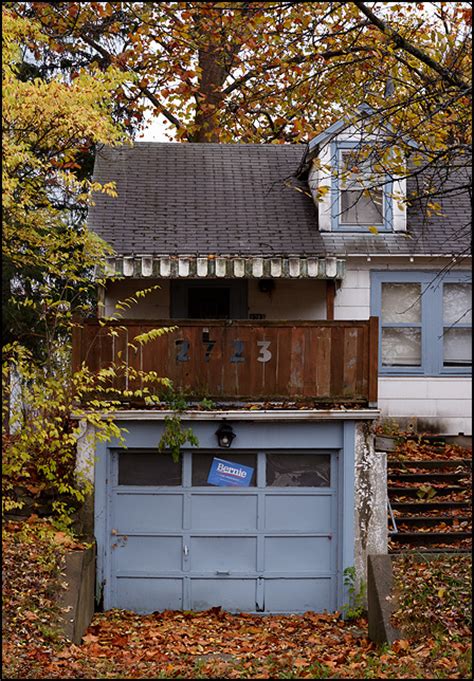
(403, 44)
(144, 90)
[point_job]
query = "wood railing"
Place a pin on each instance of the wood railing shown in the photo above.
(327, 361)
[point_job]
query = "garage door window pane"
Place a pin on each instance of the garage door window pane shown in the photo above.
(202, 465)
(149, 469)
(298, 470)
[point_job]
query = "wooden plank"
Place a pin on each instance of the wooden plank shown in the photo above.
(215, 363)
(254, 382)
(155, 356)
(283, 365)
(135, 356)
(362, 361)
(337, 362)
(122, 352)
(237, 357)
(76, 352)
(308, 387)
(197, 370)
(91, 346)
(322, 360)
(297, 361)
(180, 357)
(373, 358)
(351, 360)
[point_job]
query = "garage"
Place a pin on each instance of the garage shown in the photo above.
(199, 533)
(181, 542)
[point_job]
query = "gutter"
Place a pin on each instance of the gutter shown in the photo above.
(293, 415)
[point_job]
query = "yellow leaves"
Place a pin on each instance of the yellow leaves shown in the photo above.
(322, 191)
(153, 334)
(57, 117)
(373, 229)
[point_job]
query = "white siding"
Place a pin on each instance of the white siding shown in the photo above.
(320, 179)
(445, 402)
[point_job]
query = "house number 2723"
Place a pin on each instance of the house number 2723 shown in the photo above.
(183, 349)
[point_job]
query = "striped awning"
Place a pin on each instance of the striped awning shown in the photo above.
(228, 267)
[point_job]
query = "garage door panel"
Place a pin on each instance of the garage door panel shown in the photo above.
(178, 544)
(297, 554)
(148, 554)
(289, 595)
(147, 595)
(298, 513)
(235, 554)
(148, 512)
(229, 594)
(224, 512)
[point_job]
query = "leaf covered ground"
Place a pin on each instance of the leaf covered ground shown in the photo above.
(215, 644)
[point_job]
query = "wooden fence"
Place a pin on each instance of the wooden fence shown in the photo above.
(318, 360)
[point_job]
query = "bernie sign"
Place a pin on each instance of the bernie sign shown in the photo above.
(227, 473)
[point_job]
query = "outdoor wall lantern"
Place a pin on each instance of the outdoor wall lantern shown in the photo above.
(225, 435)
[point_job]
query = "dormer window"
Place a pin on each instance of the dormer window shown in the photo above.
(352, 192)
(360, 199)
(361, 203)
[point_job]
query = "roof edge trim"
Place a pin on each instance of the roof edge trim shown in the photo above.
(220, 267)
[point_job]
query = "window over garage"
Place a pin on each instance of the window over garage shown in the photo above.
(425, 322)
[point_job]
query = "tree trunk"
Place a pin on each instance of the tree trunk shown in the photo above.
(210, 95)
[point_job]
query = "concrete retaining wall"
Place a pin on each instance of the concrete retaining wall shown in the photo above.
(380, 609)
(77, 600)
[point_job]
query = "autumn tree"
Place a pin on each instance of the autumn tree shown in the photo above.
(50, 121)
(284, 71)
(259, 71)
(47, 124)
(47, 256)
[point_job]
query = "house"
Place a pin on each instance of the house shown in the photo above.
(302, 327)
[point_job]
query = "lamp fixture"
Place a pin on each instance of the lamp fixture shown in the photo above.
(225, 435)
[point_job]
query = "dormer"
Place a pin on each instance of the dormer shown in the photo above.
(350, 172)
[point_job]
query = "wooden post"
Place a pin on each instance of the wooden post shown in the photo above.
(330, 295)
(373, 361)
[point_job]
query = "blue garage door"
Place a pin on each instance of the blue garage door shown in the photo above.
(179, 542)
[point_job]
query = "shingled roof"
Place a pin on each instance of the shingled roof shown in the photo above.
(241, 199)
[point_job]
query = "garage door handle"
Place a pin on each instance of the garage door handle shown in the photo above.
(222, 572)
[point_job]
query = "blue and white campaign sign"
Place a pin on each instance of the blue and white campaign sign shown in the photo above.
(228, 473)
